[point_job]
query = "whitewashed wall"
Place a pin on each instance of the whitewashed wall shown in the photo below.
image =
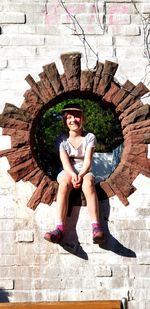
(34, 34)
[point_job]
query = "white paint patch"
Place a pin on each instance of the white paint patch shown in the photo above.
(142, 183)
(5, 142)
(146, 98)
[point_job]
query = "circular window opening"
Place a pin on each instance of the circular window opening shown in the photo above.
(101, 121)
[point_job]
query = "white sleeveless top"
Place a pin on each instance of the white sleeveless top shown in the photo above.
(76, 155)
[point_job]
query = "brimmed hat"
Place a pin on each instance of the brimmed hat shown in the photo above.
(72, 107)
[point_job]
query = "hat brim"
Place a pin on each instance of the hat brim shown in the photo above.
(72, 109)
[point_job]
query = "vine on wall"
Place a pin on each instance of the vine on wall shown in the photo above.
(79, 31)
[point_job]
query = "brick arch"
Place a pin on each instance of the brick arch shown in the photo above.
(133, 115)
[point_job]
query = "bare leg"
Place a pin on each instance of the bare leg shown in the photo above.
(89, 191)
(64, 189)
(62, 198)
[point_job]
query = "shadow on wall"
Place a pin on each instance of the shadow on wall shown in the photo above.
(71, 242)
(4, 296)
(112, 244)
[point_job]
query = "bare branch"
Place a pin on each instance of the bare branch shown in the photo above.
(77, 29)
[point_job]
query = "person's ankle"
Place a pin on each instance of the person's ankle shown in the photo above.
(61, 227)
(96, 226)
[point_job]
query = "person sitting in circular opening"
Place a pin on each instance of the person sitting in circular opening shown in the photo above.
(76, 150)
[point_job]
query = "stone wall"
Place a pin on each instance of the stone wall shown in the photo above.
(33, 35)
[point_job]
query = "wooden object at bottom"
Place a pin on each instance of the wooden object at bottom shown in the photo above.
(108, 304)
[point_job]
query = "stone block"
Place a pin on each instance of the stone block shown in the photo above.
(108, 72)
(13, 111)
(133, 224)
(111, 93)
(35, 176)
(128, 41)
(89, 28)
(126, 88)
(21, 170)
(145, 7)
(72, 68)
(24, 236)
(135, 106)
(120, 271)
(41, 189)
(53, 76)
(7, 284)
(116, 19)
(141, 295)
(86, 7)
(143, 259)
(103, 271)
(24, 7)
(143, 113)
(39, 89)
(21, 51)
(98, 75)
(27, 40)
(136, 126)
(134, 96)
(87, 79)
(7, 225)
(124, 30)
(15, 29)
(33, 18)
(119, 8)
(12, 18)
(142, 284)
(139, 271)
(32, 102)
(7, 260)
(19, 40)
(8, 246)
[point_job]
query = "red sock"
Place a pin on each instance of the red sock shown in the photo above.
(96, 225)
(60, 227)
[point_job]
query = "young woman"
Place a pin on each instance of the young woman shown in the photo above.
(76, 150)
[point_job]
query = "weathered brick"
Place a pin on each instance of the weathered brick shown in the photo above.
(124, 19)
(143, 259)
(140, 271)
(7, 284)
(24, 236)
(102, 271)
(18, 29)
(7, 225)
(34, 18)
(119, 8)
(7, 260)
(126, 30)
(12, 18)
(20, 6)
(26, 40)
(10, 52)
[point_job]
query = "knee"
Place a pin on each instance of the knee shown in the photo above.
(88, 186)
(64, 186)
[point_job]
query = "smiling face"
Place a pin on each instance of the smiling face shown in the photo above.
(74, 120)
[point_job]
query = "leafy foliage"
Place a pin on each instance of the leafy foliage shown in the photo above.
(102, 122)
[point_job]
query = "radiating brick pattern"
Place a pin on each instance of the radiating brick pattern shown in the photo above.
(133, 115)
